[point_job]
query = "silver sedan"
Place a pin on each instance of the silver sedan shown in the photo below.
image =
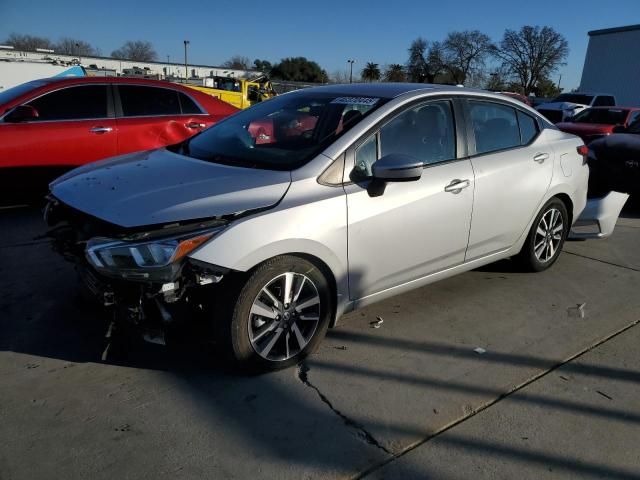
(276, 221)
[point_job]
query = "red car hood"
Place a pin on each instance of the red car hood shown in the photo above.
(583, 129)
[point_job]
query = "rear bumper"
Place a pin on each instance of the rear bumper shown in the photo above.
(599, 217)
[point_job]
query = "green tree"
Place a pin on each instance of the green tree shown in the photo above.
(298, 69)
(263, 65)
(546, 88)
(138, 50)
(371, 72)
(417, 66)
(395, 73)
(532, 54)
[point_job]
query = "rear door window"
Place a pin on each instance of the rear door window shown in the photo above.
(495, 126)
(142, 101)
(528, 128)
(74, 103)
(188, 106)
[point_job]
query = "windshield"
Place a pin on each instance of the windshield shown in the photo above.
(608, 116)
(14, 92)
(282, 133)
(574, 98)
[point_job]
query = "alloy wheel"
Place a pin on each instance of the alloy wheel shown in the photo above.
(548, 235)
(284, 317)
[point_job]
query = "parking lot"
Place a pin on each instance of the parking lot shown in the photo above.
(490, 374)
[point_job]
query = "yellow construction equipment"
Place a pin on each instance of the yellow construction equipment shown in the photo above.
(238, 92)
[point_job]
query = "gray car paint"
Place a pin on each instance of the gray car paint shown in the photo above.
(160, 186)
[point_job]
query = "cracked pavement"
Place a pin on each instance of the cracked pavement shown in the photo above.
(552, 396)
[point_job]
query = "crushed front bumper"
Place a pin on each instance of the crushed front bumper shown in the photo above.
(599, 217)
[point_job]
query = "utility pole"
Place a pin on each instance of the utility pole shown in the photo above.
(186, 69)
(351, 62)
(168, 67)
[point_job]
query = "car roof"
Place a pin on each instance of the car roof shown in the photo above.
(388, 89)
(391, 90)
(108, 79)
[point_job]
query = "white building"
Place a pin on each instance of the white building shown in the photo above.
(161, 69)
(612, 64)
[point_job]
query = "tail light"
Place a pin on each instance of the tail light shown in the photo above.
(584, 151)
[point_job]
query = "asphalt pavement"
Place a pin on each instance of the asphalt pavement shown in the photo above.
(490, 374)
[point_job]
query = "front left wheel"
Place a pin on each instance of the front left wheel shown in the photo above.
(281, 315)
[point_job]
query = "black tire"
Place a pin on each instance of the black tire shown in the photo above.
(242, 323)
(527, 258)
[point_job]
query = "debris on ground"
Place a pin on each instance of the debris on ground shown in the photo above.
(377, 323)
(341, 347)
(577, 311)
(479, 350)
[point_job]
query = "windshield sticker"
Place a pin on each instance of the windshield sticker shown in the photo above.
(356, 101)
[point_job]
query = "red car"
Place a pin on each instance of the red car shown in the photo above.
(597, 122)
(51, 125)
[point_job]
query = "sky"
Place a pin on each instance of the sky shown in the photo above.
(327, 31)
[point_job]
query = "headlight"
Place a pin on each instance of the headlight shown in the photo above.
(154, 260)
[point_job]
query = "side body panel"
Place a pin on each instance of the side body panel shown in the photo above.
(411, 230)
(509, 189)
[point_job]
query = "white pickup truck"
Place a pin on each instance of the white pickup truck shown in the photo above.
(566, 105)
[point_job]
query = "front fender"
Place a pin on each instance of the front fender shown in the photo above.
(310, 220)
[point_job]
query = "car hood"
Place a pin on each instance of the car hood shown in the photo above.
(159, 186)
(560, 106)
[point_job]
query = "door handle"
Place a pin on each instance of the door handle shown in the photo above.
(101, 130)
(457, 185)
(540, 157)
(195, 125)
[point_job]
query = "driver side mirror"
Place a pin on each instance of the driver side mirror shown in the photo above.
(22, 113)
(619, 129)
(397, 167)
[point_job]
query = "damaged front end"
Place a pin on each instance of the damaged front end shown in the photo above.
(143, 274)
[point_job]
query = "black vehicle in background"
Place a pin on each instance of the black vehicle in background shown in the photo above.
(614, 161)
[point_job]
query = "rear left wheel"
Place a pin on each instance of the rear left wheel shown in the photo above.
(546, 237)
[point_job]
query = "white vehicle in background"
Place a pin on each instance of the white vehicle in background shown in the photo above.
(566, 105)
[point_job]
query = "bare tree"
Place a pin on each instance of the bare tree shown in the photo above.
(28, 42)
(532, 54)
(340, 76)
(71, 46)
(463, 54)
(238, 62)
(139, 51)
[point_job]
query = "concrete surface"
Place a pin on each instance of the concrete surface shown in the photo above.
(411, 398)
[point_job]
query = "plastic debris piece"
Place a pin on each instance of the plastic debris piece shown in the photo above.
(577, 311)
(377, 323)
(479, 350)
